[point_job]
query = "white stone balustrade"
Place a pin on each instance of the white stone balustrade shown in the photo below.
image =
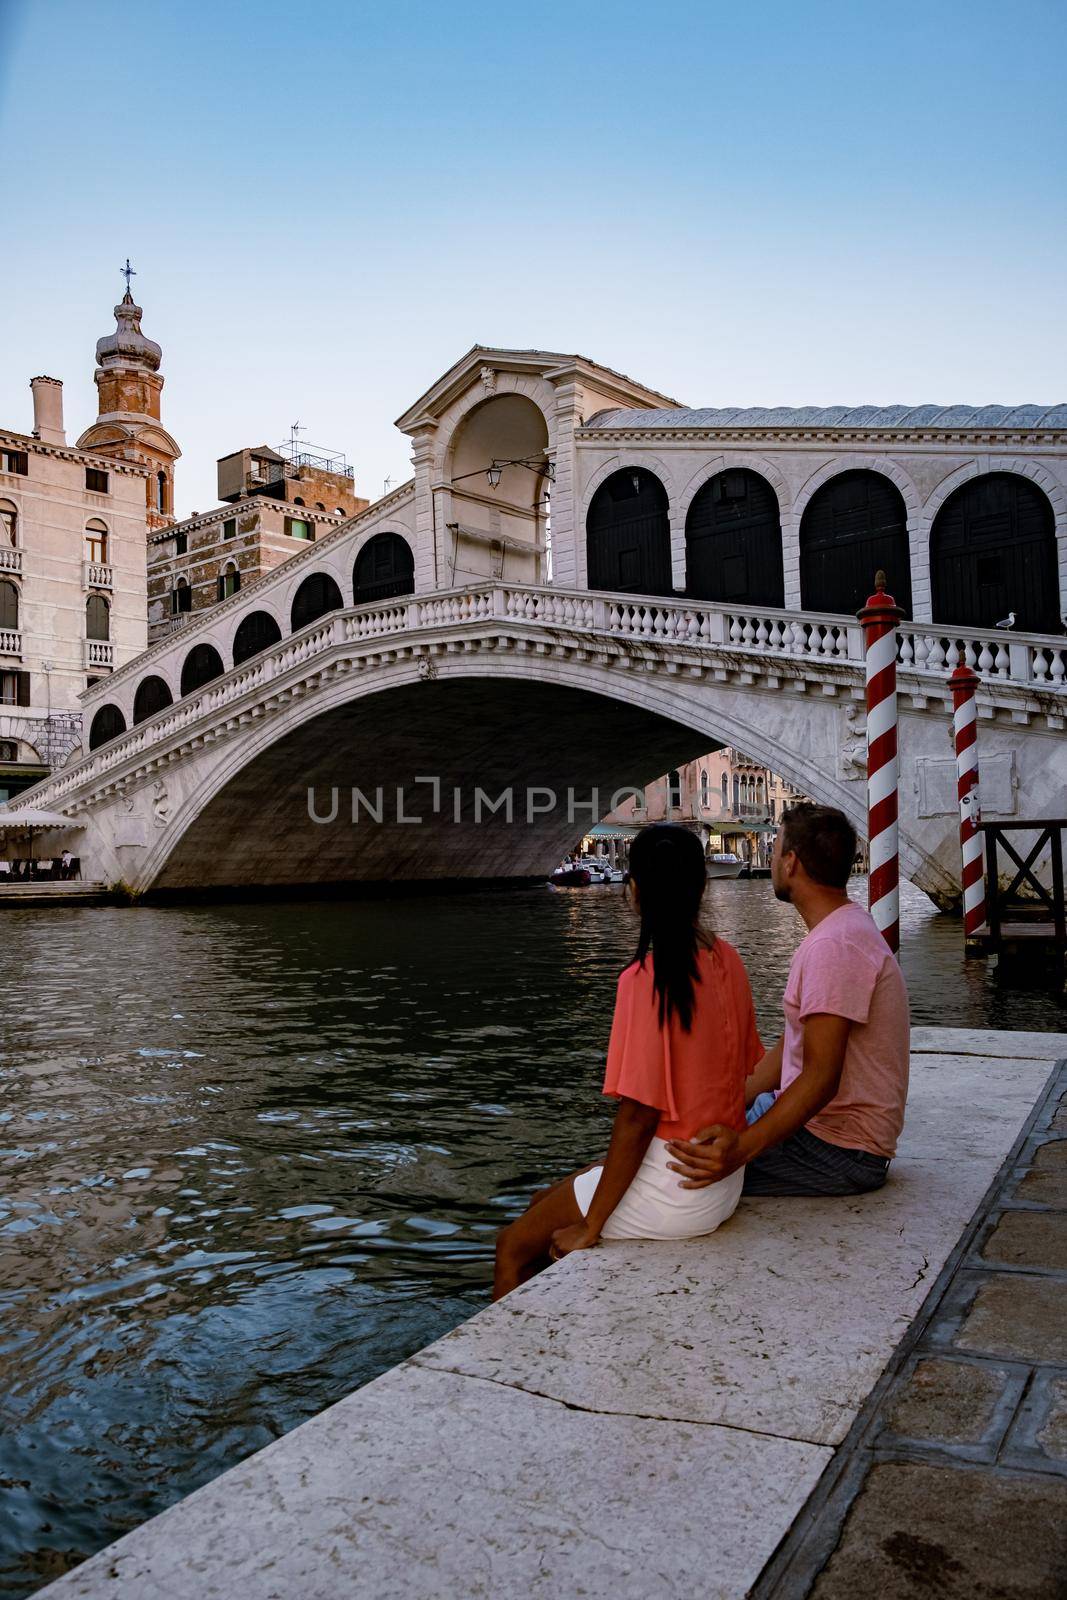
(99, 653)
(10, 642)
(10, 559)
(97, 575)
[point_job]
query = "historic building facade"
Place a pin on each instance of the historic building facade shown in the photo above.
(72, 585)
(273, 502)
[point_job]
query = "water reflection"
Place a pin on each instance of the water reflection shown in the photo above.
(254, 1155)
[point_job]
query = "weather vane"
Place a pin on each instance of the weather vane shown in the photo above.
(128, 273)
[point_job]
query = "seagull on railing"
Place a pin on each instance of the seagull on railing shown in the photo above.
(1006, 622)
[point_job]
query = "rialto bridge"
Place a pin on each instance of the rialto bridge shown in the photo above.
(583, 586)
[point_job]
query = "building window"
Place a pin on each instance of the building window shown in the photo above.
(674, 790)
(9, 524)
(161, 491)
(14, 688)
(9, 605)
(297, 528)
(725, 792)
(297, 500)
(97, 618)
(181, 544)
(229, 582)
(15, 461)
(181, 598)
(229, 528)
(319, 506)
(705, 790)
(96, 480)
(96, 542)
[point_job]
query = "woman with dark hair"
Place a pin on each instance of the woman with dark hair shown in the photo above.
(683, 1040)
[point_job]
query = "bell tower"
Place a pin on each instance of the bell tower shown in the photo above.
(128, 422)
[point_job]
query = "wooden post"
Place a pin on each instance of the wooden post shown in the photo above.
(879, 618)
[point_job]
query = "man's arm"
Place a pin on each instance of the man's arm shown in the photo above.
(765, 1075)
(718, 1151)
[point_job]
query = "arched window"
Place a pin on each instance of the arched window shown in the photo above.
(229, 580)
(385, 567)
(733, 541)
(705, 789)
(674, 790)
(993, 551)
(316, 596)
(341, 512)
(9, 604)
(107, 724)
(199, 667)
(737, 792)
(153, 695)
(853, 527)
(9, 524)
(319, 506)
(628, 535)
(161, 491)
(297, 500)
(96, 541)
(725, 785)
(181, 598)
(257, 632)
(97, 618)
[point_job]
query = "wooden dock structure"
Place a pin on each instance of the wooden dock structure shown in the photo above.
(1026, 917)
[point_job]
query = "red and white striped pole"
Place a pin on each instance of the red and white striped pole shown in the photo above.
(964, 683)
(879, 618)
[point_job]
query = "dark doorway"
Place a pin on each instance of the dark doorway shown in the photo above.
(257, 632)
(385, 567)
(106, 725)
(993, 551)
(315, 597)
(201, 665)
(628, 535)
(733, 541)
(153, 695)
(854, 526)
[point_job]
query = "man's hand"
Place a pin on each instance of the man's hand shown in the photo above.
(711, 1156)
(576, 1237)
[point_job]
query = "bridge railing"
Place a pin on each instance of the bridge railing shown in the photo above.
(926, 649)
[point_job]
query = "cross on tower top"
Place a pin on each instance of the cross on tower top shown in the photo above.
(127, 272)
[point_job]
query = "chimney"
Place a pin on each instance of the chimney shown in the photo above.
(48, 410)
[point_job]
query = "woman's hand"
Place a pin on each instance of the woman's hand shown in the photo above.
(577, 1237)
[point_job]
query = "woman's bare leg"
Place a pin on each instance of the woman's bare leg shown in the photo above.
(530, 1235)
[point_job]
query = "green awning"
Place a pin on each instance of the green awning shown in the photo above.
(607, 830)
(743, 827)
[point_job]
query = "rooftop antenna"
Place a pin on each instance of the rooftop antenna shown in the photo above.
(387, 485)
(127, 272)
(295, 430)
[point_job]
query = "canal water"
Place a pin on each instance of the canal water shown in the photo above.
(250, 1156)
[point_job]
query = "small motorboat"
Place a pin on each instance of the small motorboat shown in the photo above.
(571, 877)
(724, 864)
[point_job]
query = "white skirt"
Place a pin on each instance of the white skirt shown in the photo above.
(654, 1207)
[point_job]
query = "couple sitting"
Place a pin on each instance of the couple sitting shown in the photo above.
(705, 1112)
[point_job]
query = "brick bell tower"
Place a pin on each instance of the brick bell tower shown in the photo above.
(128, 423)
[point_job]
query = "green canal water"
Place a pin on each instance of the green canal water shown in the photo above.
(251, 1156)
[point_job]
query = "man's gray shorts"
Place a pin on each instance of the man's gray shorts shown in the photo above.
(805, 1165)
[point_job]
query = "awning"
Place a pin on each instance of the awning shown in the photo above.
(743, 827)
(607, 830)
(35, 817)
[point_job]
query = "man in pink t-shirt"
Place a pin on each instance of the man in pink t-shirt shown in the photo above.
(826, 1104)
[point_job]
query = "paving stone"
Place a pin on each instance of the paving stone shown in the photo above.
(1018, 1316)
(1029, 1239)
(1047, 1179)
(916, 1532)
(951, 1402)
(1052, 1435)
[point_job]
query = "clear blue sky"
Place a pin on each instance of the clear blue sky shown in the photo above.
(327, 204)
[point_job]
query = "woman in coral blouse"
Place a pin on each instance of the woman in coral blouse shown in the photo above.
(683, 1040)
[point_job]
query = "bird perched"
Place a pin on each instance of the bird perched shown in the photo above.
(1006, 622)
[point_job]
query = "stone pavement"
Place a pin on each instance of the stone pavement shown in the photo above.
(827, 1397)
(954, 1479)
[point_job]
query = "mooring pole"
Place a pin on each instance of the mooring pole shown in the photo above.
(965, 681)
(879, 618)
